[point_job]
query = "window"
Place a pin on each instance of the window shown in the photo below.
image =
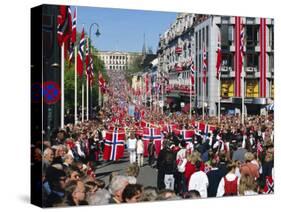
(252, 60)
(227, 60)
(224, 37)
(251, 36)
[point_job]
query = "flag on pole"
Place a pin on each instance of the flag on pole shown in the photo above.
(101, 82)
(91, 70)
(204, 65)
(80, 55)
(73, 38)
(62, 22)
(219, 57)
(192, 74)
(242, 47)
(114, 145)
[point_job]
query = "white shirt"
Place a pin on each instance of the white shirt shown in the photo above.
(181, 157)
(140, 147)
(132, 143)
(229, 177)
(199, 182)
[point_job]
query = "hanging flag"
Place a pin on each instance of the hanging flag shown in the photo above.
(91, 70)
(192, 74)
(219, 57)
(73, 38)
(62, 23)
(152, 134)
(80, 55)
(114, 145)
(102, 83)
(204, 65)
(242, 46)
(73, 35)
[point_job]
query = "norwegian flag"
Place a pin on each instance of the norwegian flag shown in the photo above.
(114, 145)
(152, 134)
(259, 148)
(242, 47)
(101, 82)
(73, 38)
(187, 135)
(219, 57)
(269, 185)
(146, 83)
(143, 124)
(209, 129)
(88, 61)
(73, 35)
(204, 65)
(62, 21)
(169, 128)
(192, 74)
(92, 76)
(80, 56)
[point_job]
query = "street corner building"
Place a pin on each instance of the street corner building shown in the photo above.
(124, 115)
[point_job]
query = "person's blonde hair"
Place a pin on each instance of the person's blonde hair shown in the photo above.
(195, 156)
(246, 183)
(249, 157)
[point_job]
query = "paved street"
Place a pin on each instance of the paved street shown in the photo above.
(147, 175)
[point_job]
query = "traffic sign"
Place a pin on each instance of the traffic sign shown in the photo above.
(51, 92)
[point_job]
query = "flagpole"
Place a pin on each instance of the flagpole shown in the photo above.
(87, 98)
(203, 101)
(62, 85)
(87, 86)
(219, 99)
(243, 96)
(75, 86)
(162, 96)
(82, 101)
(190, 90)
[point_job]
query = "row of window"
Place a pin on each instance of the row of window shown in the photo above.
(120, 57)
(118, 67)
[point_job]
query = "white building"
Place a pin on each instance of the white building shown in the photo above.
(115, 60)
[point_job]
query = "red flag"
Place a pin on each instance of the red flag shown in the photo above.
(80, 55)
(219, 58)
(73, 35)
(155, 135)
(114, 145)
(204, 65)
(101, 83)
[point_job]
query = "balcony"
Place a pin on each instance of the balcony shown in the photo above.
(257, 48)
(251, 69)
(232, 48)
(224, 69)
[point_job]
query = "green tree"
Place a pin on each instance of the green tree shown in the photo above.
(134, 67)
(69, 82)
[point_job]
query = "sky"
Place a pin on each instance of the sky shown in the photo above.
(122, 29)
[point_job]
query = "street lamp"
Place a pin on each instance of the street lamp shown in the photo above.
(90, 93)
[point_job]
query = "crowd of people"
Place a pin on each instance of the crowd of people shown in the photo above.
(231, 160)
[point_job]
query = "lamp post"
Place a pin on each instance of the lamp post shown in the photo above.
(89, 94)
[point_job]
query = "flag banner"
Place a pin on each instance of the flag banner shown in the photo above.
(219, 56)
(155, 135)
(80, 55)
(114, 145)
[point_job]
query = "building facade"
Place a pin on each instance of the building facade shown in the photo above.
(115, 60)
(186, 40)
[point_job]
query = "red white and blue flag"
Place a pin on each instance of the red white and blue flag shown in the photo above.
(152, 134)
(192, 74)
(73, 37)
(187, 135)
(169, 128)
(204, 65)
(219, 57)
(114, 145)
(80, 55)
